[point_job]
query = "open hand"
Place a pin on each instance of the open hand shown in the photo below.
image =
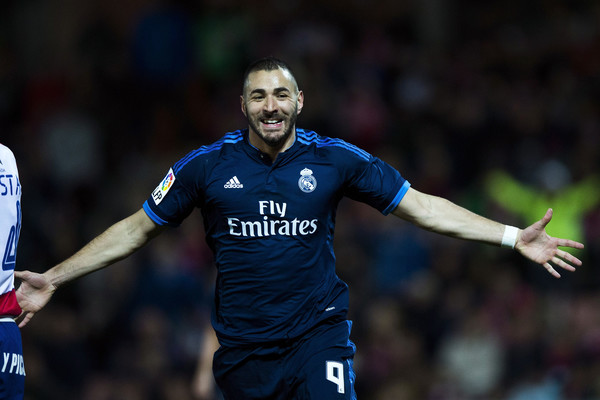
(535, 244)
(33, 294)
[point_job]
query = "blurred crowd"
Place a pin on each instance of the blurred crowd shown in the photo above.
(99, 98)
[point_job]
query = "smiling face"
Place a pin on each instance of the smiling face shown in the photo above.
(271, 102)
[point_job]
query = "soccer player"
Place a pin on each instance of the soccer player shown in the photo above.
(268, 195)
(12, 370)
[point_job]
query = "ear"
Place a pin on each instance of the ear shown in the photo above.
(243, 105)
(300, 101)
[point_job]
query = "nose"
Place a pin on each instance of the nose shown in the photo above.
(270, 104)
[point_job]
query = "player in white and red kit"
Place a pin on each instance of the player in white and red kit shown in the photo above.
(12, 370)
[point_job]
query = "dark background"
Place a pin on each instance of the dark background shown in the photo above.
(99, 98)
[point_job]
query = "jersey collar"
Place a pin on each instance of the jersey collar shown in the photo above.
(255, 153)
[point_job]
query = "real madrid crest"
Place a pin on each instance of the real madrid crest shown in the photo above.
(307, 182)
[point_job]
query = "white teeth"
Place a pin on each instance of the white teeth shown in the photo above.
(271, 121)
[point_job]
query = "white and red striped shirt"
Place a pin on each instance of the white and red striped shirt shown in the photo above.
(10, 228)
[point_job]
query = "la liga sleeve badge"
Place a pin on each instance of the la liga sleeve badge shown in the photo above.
(163, 187)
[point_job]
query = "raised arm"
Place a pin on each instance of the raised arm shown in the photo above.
(439, 215)
(116, 243)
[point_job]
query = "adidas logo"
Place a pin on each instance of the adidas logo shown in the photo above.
(233, 183)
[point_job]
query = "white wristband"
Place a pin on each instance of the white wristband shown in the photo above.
(510, 236)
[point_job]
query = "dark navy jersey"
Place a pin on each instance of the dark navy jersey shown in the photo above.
(271, 224)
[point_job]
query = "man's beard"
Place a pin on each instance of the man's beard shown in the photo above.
(271, 141)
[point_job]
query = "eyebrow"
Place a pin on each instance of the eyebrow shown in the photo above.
(276, 90)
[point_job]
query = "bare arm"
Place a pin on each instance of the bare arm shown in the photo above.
(439, 215)
(117, 242)
(442, 216)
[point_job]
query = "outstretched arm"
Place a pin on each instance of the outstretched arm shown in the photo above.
(117, 242)
(439, 215)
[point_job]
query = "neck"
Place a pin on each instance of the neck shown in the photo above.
(271, 150)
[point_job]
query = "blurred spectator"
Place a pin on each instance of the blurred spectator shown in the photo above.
(553, 189)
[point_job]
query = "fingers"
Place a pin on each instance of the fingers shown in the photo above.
(560, 263)
(570, 258)
(34, 280)
(547, 217)
(551, 270)
(563, 260)
(26, 317)
(570, 243)
(21, 274)
(24, 276)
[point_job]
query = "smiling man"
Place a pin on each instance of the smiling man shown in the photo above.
(268, 195)
(271, 102)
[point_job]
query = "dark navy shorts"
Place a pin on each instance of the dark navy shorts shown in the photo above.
(316, 366)
(12, 369)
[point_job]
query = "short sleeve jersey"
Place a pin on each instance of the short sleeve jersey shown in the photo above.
(271, 226)
(10, 228)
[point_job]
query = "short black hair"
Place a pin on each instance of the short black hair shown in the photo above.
(269, 63)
